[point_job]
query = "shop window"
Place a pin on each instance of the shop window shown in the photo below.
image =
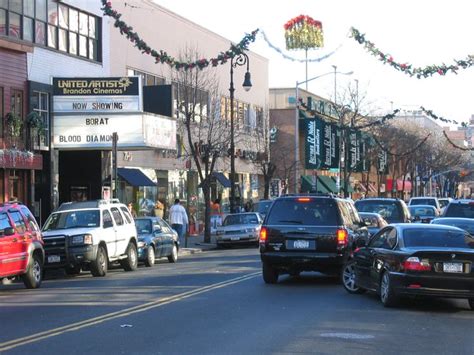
(29, 8)
(2, 114)
(14, 28)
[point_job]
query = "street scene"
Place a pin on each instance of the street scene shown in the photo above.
(185, 177)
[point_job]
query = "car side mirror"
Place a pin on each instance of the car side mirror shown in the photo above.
(9, 231)
(361, 242)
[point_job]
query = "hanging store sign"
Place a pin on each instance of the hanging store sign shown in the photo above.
(382, 163)
(97, 95)
(321, 144)
(135, 131)
(355, 138)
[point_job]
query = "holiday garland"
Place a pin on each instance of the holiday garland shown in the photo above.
(406, 68)
(455, 145)
(163, 57)
(303, 32)
(423, 141)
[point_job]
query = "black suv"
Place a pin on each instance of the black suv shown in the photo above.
(308, 233)
(463, 208)
(393, 210)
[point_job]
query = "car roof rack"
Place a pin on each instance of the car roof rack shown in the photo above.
(315, 194)
(66, 206)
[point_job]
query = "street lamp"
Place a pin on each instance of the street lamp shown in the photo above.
(239, 60)
(298, 83)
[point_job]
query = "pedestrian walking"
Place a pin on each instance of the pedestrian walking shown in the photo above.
(178, 219)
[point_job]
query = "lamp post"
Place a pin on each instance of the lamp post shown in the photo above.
(239, 60)
(298, 83)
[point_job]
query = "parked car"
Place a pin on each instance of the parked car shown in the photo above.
(425, 200)
(463, 208)
(262, 207)
(464, 223)
(374, 221)
(308, 233)
(393, 210)
(423, 213)
(21, 245)
(89, 235)
(413, 259)
(156, 239)
(239, 228)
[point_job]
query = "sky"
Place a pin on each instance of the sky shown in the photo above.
(420, 32)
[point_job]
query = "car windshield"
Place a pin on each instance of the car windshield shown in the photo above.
(143, 226)
(306, 211)
(423, 201)
(464, 210)
(387, 209)
(417, 237)
(234, 219)
(262, 207)
(422, 211)
(73, 219)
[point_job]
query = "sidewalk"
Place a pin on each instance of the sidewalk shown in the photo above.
(196, 245)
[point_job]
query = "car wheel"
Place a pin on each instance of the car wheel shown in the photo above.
(387, 295)
(471, 303)
(270, 274)
(34, 274)
(131, 262)
(348, 278)
(73, 270)
(150, 256)
(100, 265)
(174, 254)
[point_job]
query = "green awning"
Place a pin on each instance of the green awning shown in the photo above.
(307, 185)
(349, 187)
(329, 183)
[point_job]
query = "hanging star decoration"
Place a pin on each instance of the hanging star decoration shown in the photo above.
(409, 69)
(162, 56)
(303, 32)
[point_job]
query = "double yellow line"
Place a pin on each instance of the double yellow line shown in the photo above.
(119, 314)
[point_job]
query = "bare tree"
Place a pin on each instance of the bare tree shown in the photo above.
(206, 134)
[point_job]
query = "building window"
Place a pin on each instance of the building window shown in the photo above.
(52, 24)
(40, 104)
(16, 103)
(147, 79)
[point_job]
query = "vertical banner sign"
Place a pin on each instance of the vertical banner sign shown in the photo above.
(364, 152)
(330, 149)
(312, 143)
(355, 138)
(382, 163)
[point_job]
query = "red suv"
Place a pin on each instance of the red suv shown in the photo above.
(21, 245)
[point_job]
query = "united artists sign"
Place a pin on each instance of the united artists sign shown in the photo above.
(124, 86)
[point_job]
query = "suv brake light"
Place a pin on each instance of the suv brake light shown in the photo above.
(414, 264)
(263, 235)
(342, 237)
(303, 199)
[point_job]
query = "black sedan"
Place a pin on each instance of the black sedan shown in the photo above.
(413, 259)
(464, 223)
(374, 221)
(156, 239)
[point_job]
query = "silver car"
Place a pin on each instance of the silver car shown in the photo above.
(239, 228)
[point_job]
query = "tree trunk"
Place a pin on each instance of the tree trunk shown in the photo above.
(207, 213)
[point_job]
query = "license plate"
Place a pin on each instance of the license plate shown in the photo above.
(301, 244)
(54, 259)
(235, 238)
(452, 267)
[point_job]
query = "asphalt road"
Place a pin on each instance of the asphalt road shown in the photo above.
(217, 303)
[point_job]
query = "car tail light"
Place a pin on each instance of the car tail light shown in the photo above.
(303, 199)
(263, 235)
(341, 237)
(414, 264)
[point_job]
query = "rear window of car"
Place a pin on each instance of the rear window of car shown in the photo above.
(306, 211)
(262, 206)
(465, 210)
(240, 219)
(466, 225)
(422, 211)
(387, 209)
(423, 201)
(415, 237)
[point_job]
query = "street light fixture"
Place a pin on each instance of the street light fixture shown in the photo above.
(239, 60)
(298, 83)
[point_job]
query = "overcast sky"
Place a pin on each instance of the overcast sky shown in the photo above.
(420, 32)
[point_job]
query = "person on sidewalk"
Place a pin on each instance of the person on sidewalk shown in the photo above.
(179, 219)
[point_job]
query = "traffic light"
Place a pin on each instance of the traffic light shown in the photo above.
(463, 173)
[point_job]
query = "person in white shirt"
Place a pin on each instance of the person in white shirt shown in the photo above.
(178, 219)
